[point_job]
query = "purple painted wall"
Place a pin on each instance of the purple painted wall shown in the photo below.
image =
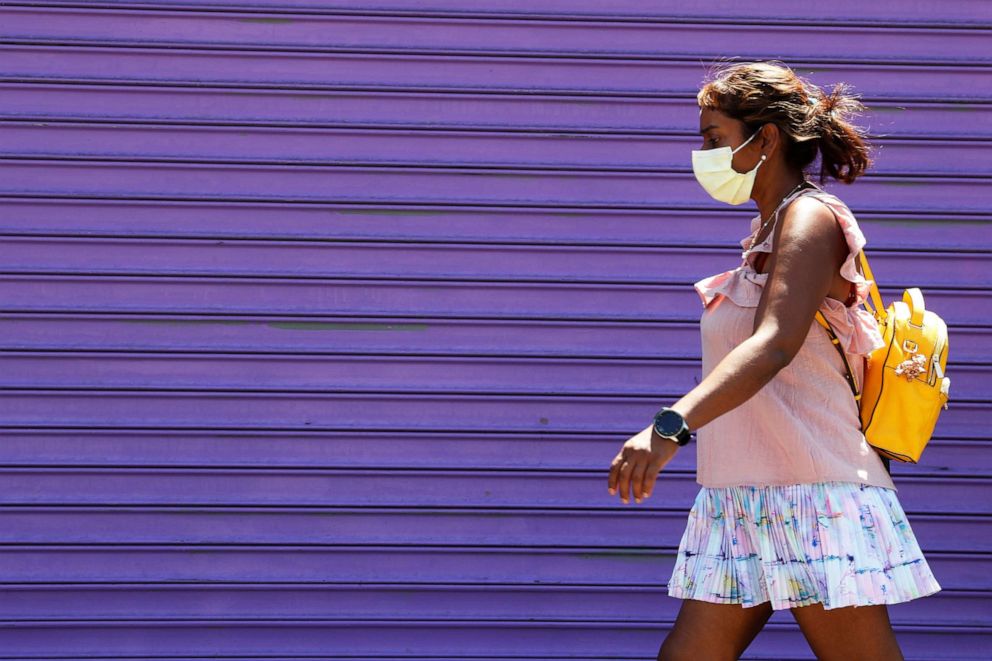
(323, 320)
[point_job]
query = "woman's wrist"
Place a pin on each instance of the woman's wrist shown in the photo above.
(684, 409)
(662, 444)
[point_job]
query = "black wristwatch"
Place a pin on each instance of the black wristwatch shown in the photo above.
(670, 424)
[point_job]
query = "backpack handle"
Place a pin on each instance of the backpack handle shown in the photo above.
(914, 299)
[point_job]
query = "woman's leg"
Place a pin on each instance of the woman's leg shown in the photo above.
(713, 632)
(850, 633)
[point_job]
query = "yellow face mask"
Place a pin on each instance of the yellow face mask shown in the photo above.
(717, 176)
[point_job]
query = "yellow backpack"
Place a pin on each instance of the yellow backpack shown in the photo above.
(904, 383)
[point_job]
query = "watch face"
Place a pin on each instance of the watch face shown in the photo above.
(668, 423)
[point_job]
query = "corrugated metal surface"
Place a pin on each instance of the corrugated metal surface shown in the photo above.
(323, 320)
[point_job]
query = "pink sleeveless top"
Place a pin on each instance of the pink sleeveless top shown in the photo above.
(803, 426)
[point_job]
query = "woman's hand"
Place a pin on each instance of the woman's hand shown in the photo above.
(638, 462)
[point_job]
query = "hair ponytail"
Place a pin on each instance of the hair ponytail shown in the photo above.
(844, 150)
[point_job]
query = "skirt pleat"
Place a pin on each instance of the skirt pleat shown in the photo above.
(836, 543)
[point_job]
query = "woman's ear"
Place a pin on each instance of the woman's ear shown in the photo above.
(770, 138)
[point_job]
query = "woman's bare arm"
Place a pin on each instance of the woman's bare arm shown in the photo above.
(809, 250)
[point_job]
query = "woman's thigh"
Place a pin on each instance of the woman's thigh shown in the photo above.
(709, 631)
(850, 633)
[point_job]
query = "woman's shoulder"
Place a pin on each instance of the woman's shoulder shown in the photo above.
(849, 226)
(837, 206)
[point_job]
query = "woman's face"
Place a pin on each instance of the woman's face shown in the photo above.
(718, 130)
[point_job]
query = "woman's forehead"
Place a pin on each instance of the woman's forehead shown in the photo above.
(709, 119)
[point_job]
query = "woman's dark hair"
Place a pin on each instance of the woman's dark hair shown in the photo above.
(810, 120)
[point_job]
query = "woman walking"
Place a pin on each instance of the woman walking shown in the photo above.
(795, 509)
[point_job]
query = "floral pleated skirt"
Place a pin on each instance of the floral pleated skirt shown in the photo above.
(837, 543)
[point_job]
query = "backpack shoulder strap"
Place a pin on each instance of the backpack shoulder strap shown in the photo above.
(876, 296)
(843, 355)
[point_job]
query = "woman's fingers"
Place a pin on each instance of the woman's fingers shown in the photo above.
(634, 471)
(615, 473)
(650, 477)
(623, 482)
(637, 475)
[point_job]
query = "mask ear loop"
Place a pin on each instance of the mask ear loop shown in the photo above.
(763, 157)
(743, 144)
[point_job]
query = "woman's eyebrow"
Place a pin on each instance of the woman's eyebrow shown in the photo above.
(711, 126)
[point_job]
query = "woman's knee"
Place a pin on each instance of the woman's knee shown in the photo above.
(678, 648)
(848, 633)
(708, 631)
(674, 650)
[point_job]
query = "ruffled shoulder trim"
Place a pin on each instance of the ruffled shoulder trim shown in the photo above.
(741, 286)
(856, 327)
(855, 242)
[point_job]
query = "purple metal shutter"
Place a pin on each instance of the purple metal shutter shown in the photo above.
(322, 321)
